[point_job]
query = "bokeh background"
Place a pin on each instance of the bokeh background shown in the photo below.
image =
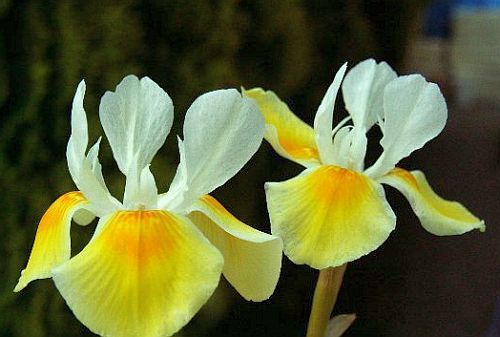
(414, 285)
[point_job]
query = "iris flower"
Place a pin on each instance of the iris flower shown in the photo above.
(154, 260)
(335, 211)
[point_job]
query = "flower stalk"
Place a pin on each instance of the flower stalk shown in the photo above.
(325, 296)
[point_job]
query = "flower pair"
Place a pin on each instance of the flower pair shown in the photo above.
(155, 259)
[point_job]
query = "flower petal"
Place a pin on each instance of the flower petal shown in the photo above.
(414, 113)
(86, 170)
(136, 118)
(252, 259)
(323, 121)
(52, 244)
(290, 137)
(222, 131)
(328, 216)
(437, 215)
(144, 273)
(363, 89)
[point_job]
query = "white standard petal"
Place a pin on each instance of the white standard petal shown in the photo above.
(323, 121)
(363, 91)
(222, 131)
(136, 118)
(85, 171)
(414, 113)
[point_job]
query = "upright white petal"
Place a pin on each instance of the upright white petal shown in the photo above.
(85, 171)
(222, 130)
(136, 118)
(349, 148)
(323, 121)
(174, 197)
(363, 89)
(414, 113)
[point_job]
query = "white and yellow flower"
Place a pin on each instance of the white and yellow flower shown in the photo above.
(335, 211)
(154, 260)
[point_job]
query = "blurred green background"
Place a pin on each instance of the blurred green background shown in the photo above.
(190, 47)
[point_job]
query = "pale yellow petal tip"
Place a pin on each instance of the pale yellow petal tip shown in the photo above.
(438, 216)
(252, 259)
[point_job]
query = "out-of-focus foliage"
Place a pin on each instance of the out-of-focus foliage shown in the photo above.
(188, 47)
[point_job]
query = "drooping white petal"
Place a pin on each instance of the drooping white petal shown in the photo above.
(363, 89)
(222, 130)
(85, 171)
(414, 113)
(136, 118)
(323, 121)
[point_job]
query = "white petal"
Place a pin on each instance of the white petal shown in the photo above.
(349, 148)
(323, 121)
(363, 89)
(80, 167)
(222, 130)
(78, 141)
(174, 198)
(414, 113)
(136, 118)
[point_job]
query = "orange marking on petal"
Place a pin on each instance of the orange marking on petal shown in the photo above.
(139, 236)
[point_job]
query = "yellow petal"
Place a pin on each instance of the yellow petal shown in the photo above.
(52, 244)
(252, 259)
(288, 135)
(328, 216)
(144, 273)
(437, 215)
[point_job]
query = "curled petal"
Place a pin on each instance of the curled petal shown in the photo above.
(328, 216)
(437, 215)
(86, 170)
(52, 244)
(323, 121)
(144, 273)
(290, 137)
(252, 259)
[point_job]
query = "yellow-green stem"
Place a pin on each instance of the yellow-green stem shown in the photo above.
(325, 296)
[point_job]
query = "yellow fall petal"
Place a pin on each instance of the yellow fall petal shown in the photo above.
(52, 244)
(288, 135)
(144, 273)
(252, 259)
(437, 215)
(328, 216)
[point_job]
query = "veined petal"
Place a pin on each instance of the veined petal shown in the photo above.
(222, 131)
(363, 91)
(437, 215)
(144, 273)
(328, 216)
(323, 121)
(252, 259)
(52, 244)
(414, 113)
(136, 118)
(289, 136)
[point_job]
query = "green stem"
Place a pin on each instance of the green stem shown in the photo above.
(325, 296)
